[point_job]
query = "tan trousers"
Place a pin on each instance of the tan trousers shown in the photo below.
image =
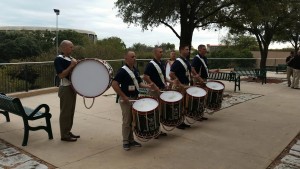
(67, 109)
(296, 77)
(289, 73)
(127, 122)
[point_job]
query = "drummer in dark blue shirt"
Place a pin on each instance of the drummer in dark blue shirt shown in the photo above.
(181, 74)
(200, 66)
(126, 84)
(155, 74)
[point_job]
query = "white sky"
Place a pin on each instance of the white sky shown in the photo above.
(98, 16)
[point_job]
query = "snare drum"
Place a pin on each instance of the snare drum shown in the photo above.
(171, 108)
(146, 118)
(214, 95)
(91, 78)
(195, 102)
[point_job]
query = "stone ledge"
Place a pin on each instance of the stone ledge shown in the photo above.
(31, 93)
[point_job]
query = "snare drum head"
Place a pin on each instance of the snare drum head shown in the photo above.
(196, 91)
(145, 105)
(171, 96)
(215, 85)
(90, 78)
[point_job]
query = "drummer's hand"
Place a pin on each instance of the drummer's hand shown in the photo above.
(176, 82)
(149, 86)
(166, 86)
(125, 99)
(156, 89)
(73, 62)
(201, 81)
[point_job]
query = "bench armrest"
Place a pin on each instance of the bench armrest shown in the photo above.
(37, 110)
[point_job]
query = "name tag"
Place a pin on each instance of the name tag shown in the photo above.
(131, 88)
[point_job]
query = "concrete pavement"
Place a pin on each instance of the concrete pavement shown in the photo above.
(249, 135)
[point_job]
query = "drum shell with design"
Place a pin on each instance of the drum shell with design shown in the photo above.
(146, 117)
(171, 104)
(214, 98)
(91, 77)
(195, 102)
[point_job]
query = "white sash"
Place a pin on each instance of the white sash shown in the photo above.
(185, 66)
(131, 74)
(203, 62)
(162, 78)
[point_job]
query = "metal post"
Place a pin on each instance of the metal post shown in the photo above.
(57, 13)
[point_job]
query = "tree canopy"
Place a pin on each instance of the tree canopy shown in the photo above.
(189, 14)
(261, 18)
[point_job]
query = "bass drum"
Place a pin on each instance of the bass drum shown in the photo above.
(91, 77)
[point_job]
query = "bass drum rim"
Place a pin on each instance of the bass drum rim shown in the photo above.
(107, 79)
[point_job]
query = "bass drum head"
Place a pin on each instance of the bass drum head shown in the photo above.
(215, 85)
(90, 78)
(145, 105)
(196, 91)
(171, 96)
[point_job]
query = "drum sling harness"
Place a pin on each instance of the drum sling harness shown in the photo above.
(131, 74)
(65, 81)
(185, 66)
(159, 71)
(203, 64)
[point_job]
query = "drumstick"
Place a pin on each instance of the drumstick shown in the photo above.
(128, 100)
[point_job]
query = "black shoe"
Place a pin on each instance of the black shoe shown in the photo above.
(126, 147)
(160, 134)
(200, 119)
(186, 125)
(74, 136)
(181, 126)
(69, 139)
(163, 134)
(204, 118)
(135, 144)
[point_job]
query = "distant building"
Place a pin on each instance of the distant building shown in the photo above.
(274, 57)
(212, 48)
(92, 35)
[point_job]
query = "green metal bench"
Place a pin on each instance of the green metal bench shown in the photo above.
(231, 77)
(14, 105)
(281, 68)
(253, 72)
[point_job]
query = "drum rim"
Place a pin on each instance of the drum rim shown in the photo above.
(87, 59)
(174, 101)
(145, 112)
(216, 82)
(196, 96)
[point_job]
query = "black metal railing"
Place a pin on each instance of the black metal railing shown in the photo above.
(19, 77)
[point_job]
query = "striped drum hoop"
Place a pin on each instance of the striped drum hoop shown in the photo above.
(214, 95)
(146, 118)
(195, 102)
(171, 108)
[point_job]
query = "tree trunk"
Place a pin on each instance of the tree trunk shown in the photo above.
(264, 49)
(187, 26)
(264, 55)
